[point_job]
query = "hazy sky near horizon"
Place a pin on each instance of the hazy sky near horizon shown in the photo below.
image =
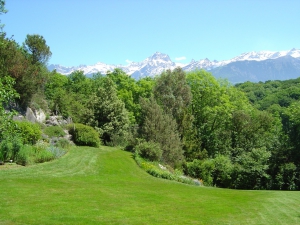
(120, 31)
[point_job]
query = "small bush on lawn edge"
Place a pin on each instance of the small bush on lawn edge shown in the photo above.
(9, 148)
(38, 153)
(155, 171)
(149, 150)
(84, 135)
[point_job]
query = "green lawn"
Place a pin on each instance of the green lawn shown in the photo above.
(105, 186)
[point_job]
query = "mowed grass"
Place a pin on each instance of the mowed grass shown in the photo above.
(105, 186)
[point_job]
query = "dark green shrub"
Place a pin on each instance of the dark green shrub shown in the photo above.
(202, 169)
(29, 132)
(222, 171)
(6, 149)
(24, 156)
(16, 147)
(193, 168)
(149, 150)
(250, 169)
(9, 148)
(286, 177)
(54, 131)
(1, 158)
(118, 140)
(84, 135)
(132, 141)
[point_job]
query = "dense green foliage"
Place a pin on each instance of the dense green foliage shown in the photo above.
(281, 99)
(272, 95)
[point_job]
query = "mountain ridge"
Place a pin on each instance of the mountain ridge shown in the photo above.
(158, 62)
(282, 68)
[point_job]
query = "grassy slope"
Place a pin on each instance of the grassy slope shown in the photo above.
(105, 186)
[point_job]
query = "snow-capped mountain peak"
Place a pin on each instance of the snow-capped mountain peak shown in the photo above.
(159, 62)
(158, 57)
(264, 55)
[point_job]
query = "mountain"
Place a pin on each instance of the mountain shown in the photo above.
(201, 64)
(264, 55)
(249, 56)
(88, 70)
(153, 65)
(250, 66)
(282, 68)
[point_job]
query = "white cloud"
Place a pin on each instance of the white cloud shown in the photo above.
(128, 61)
(180, 58)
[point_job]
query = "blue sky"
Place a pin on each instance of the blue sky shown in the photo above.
(119, 31)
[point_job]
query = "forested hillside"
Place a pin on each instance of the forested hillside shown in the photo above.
(244, 136)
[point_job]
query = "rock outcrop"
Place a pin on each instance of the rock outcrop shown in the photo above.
(35, 116)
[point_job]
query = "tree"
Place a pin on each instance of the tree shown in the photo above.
(211, 108)
(293, 130)
(58, 97)
(107, 113)
(55, 81)
(286, 178)
(127, 91)
(254, 129)
(222, 173)
(16, 63)
(161, 128)
(2, 11)
(144, 90)
(36, 45)
(79, 84)
(145, 87)
(172, 92)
